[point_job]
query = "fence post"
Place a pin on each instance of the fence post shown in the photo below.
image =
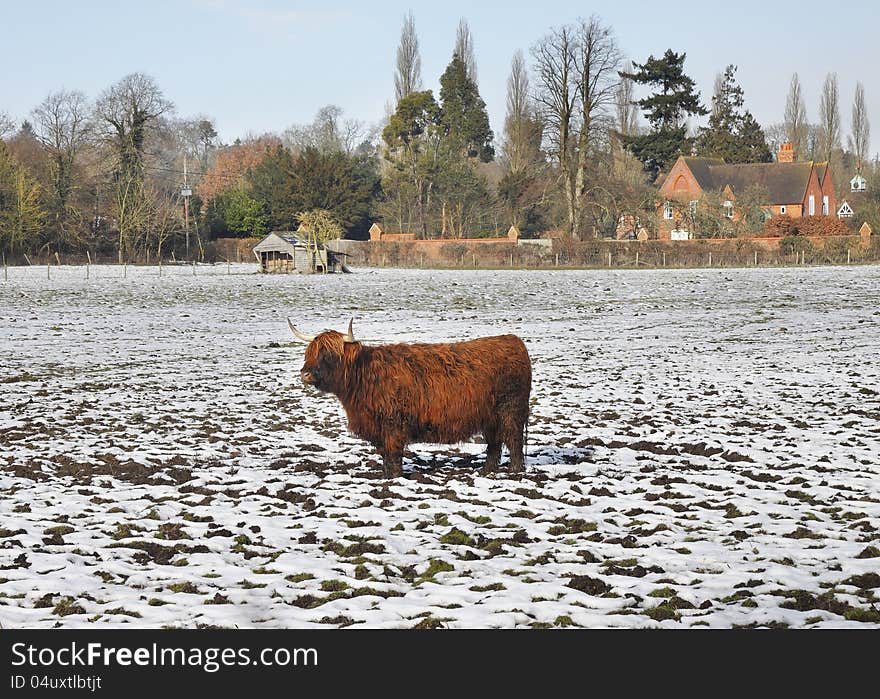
(557, 259)
(710, 259)
(194, 268)
(228, 266)
(511, 259)
(847, 256)
(474, 256)
(637, 258)
(664, 259)
(756, 258)
(48, 268)
(88, 264)
(5, 269)
(609, 259)
(125, 269)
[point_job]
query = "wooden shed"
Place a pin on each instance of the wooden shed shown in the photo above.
(283, 253)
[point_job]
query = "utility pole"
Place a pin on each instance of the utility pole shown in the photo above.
(186, 193)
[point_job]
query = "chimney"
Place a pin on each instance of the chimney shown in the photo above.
(786, 153)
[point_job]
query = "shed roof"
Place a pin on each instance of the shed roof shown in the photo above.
(281, 241)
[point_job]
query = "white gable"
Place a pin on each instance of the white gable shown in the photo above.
(845, 210)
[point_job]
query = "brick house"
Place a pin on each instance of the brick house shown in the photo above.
(794, 189)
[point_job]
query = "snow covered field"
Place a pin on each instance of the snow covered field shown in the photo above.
(703, 451)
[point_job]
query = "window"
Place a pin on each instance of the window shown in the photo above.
(692, 207)
(728, 209)
(782, 211)
(667, 210)
(825, 205)
(812, 208)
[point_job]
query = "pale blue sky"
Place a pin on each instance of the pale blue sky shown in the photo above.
(262, 65)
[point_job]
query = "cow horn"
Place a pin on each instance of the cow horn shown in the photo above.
(349, 336)
(304, 338)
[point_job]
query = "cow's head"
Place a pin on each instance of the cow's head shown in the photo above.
(325, 356)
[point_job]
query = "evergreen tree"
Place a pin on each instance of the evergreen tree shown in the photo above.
(413, 137)
(732, 133)
(665, 109)
(345, 185)
(464, 112)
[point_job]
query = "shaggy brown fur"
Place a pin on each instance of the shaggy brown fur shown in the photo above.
(395, 395)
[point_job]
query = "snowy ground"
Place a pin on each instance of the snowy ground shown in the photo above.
(703, 452)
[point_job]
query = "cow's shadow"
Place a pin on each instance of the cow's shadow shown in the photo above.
(468, 463)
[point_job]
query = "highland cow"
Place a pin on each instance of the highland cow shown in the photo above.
(396, 395)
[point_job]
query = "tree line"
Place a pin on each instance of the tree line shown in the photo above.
(585, 136)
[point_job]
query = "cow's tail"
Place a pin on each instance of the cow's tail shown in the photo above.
(526, 439)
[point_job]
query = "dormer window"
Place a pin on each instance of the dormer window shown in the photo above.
(728, 209)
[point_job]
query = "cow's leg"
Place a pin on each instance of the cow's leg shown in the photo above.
(393, 464)
(514, 443)
(392, 457)
(493, 452)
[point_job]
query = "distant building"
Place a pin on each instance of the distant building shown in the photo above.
(794, 189)
(845, 210)
(858, 183)
(378, 233)
(284, 252)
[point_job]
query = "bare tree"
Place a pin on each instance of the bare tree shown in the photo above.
(626, 122)
(517, 121)
(61, 124)
(597, 63)
(861, 127)
(464, 49)
(7, 125)
(829, 117)
(556, 97)
(577, 70)
(328, 133)
(408, 71)
(126, 112)
(796, 126)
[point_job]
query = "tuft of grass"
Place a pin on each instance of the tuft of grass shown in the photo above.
(66, 606)
(870, 616)
(435, 565)
(662, 592)
(430, 622)
(662, 612)
(248, 585)
(333, 586)
(494, 587)
(456, 537)
(61, 530)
